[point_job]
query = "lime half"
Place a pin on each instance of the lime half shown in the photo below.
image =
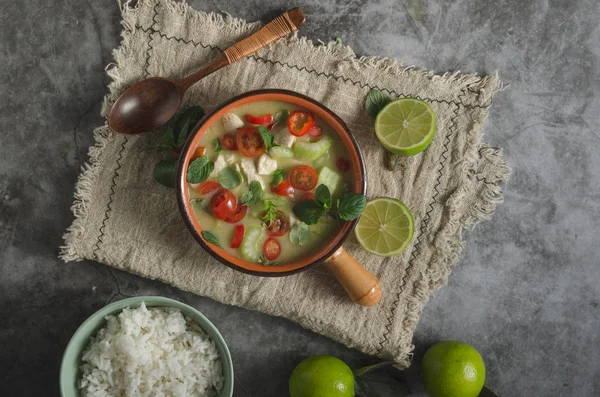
(405, 126)
(385, 227)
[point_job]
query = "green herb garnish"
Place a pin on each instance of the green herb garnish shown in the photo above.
(300, 234)
(211, 238)
(309, 211)
(266, 136)
(376, 100)
(229, 178)
(351, 205)
(323, 197)
(282, 116)
(277, 177)
(217, 145)
(253, 195)
(270, 213)
(165, 172)
(338, 40)
(185, 123)
(199, 169)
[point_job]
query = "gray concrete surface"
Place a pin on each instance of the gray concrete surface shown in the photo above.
(526, 291)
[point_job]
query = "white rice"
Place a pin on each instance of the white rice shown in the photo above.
(151, 352)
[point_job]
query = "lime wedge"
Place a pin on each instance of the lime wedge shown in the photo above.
(405, 126)
(385, 227)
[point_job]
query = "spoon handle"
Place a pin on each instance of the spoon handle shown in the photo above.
(278, 28)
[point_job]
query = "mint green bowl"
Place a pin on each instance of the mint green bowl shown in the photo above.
(70, 373)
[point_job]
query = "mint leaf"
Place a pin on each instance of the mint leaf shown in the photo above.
(282, 116)
(323, 196)
(253, 195)
(165, 172)
(217, 145)
(351, 205)
(211, 238)
(376, 100)
(199, 169)
(168, 137)
(308, 211)
(338, 40)
(266, 136)
(185, 123)
(277, 177)
(229, 178)
(364, 370)
(300, 234)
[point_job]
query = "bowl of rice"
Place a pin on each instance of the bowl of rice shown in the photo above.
(147, 346)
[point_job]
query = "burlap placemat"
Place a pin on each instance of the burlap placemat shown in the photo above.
(126, 220)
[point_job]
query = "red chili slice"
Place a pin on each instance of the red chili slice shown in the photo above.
(300, 122)
(265, 119)
(238, 236)
(271, 249)
(342, 164)
(284, 189)
(238, 215)
(315, 131)
(228, 142)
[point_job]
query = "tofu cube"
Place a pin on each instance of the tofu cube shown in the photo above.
(266, 165)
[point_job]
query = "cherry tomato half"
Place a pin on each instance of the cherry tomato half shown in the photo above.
(271, 249)
(250, 142)
(260, 120)
(278, 226)
(228, 142)
(300, 122)
(199, 152)
(315, 131)
(306, 196)
(342, 164)
(304, 177)
(238, 215)
(283, 189)
(207, 187)
(223, 204)
(238, 236)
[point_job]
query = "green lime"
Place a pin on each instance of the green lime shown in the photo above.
(322, 376)
(385, 227)
(452, 369)
(405, 126)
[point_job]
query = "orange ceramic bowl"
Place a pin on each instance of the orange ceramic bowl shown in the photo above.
(183, 196)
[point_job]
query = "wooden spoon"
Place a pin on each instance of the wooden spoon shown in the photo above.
(149, 104)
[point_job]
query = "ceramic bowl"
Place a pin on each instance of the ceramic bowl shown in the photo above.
(70, 373)
(345, 268)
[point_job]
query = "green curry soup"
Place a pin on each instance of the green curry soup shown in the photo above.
(268, 157)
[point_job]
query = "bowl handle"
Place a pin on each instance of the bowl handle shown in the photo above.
(360, 285)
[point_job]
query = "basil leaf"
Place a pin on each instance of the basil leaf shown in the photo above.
(165, 172)
(199, 204)
(185, 123)
(217, 145)
(266, 136)
(364, 370)
(253, 195)
(168, 137)
(199, 169)
(300, 234)
(323, 196)
(229, 178)
(308, 211)
(282, 116)
(277, 177)
(211, 238)
(351, 205)
(376, 100)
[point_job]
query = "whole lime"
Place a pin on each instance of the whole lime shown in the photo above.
(322, 376)
(452, 369)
